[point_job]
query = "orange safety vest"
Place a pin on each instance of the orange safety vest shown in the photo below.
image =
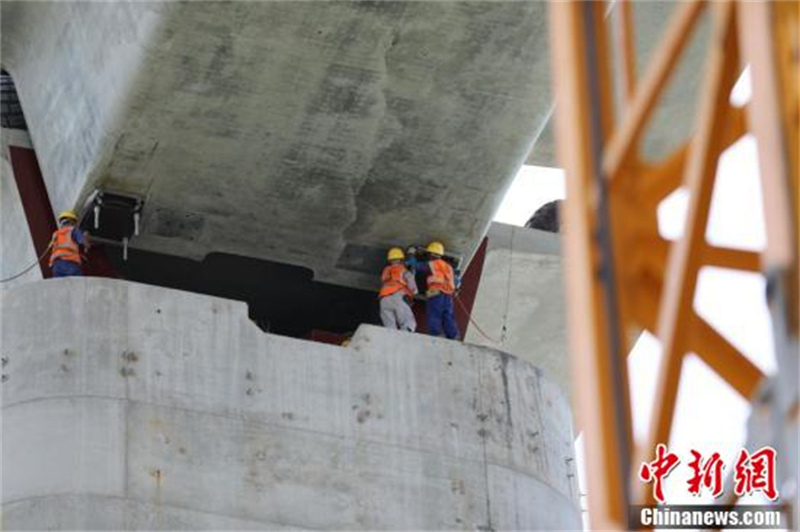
(394, 280)
(64, 246)
(441, 279)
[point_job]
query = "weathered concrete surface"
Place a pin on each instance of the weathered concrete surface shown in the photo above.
(310, 133)
(147, 408)
(520, 302)
(99, 512)
(674, 116)
(75, 66)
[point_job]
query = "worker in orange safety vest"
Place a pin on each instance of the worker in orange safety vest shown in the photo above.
(442, 282)
(66, 244)
(397, 293)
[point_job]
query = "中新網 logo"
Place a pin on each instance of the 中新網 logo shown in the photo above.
(752, 473)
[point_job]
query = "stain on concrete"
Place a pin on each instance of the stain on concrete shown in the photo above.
(174, 223)
(368, 408)
(363, 415)
(458, 487)
(158, 475)
(359, 258)
(504, 358)
(129, 359)
(345, 91)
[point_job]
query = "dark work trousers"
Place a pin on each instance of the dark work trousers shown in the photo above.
(441, 317)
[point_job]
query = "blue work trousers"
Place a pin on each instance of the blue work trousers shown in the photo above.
(441, 317)
(66, 268)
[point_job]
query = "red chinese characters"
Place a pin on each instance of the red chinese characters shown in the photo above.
(752, 473)
(657, 470)
(756, 472)
(706, 474)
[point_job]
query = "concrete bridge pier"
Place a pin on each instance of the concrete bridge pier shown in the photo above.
(151, 408)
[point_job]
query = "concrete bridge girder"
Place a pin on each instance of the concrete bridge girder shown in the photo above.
(314, 134)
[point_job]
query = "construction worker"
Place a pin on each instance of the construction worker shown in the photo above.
(442, 285)
(65, 253)
(397, 293)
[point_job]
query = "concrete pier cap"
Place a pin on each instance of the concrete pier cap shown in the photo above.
(149, 408)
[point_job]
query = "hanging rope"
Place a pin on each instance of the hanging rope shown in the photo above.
(473, 322)
(29, 268)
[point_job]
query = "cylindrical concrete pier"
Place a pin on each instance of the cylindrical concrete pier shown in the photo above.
(128, 406)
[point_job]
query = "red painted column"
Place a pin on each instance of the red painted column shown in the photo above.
(40, 217)
(469, 287)
(35, 200)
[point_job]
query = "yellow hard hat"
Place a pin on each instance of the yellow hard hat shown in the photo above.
(69, 215)
(395, 254)
(436, 248)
